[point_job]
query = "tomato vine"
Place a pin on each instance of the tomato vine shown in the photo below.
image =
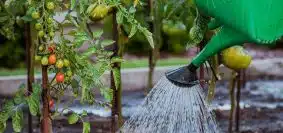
(57, 50)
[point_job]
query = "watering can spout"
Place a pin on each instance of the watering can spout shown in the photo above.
(184, 76)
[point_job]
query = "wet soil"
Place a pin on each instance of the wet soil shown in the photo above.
(261, 110)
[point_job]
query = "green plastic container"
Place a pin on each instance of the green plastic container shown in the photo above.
(241, 21)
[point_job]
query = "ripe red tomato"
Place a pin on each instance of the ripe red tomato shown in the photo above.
(59, 77)
(51, 103)
(51, 48)
(52, 59)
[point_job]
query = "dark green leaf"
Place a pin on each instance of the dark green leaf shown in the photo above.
(97, 34)
(73, 118)
(133, 31)
(117, 77)
(86, 127)
(105, 43)
(75, 83)
(8, 106)
(27, 18)
(4, 115)
(4, 18)
(119, 17)
(17, 120)
(2, 127)
(148, 36)
(33, 103)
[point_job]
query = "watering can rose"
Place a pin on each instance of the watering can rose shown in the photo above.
(236, 58)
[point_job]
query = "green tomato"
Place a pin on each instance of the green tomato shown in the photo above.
(49, 20)
(41, 48)
(66, 63)
(38, 26)
(69, 73)
(40, 33)
(50, 6)
(60, 64)
(51, 34)
(35, 15)
(44, 61)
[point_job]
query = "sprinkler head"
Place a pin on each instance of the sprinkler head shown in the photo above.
(184, 76)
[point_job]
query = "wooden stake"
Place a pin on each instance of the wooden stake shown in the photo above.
(46, 125)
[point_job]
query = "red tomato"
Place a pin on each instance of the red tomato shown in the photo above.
(51, 103)
(59, 77)
(51, 48)
(52, 59)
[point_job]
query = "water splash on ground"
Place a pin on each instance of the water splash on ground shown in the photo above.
(172, 109)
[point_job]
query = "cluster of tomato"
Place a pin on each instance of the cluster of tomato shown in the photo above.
(50, 6)
(51, 59)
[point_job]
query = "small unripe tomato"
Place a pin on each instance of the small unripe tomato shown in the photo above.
(67, 79)
(40, 33)
(69, 73)
(59, 77)
(49, 20)
(51, 103)
(44, 61)
(59, 64)
(52, 59)
(66, 63)
(51, 34)
(41, 48)
(38, 26)
(35, 15)
(50, 6)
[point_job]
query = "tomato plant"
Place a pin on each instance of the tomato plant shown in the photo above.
(60, 56)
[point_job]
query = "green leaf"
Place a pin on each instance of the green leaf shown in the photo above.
(117, 77)
(75, 83)
(73, 4)
(33, 103)
(148, 36)
(2, 127)
(116, 59)
(86, 127)
(82, 5)
(8, 106)
(119, 17)
(133, 31)
(3, 18)
(90, 8)
(27, 18)
(107, 93)
(4, 115)
(84, 113)
(107, 42)
(73, 118)
(89, 52)
(17, 120)
(97, 34)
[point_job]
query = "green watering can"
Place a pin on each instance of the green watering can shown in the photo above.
(240, 21)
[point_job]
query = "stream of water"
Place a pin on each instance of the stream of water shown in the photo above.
(172, 109)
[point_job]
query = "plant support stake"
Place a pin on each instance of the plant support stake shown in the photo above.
(46, 125)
